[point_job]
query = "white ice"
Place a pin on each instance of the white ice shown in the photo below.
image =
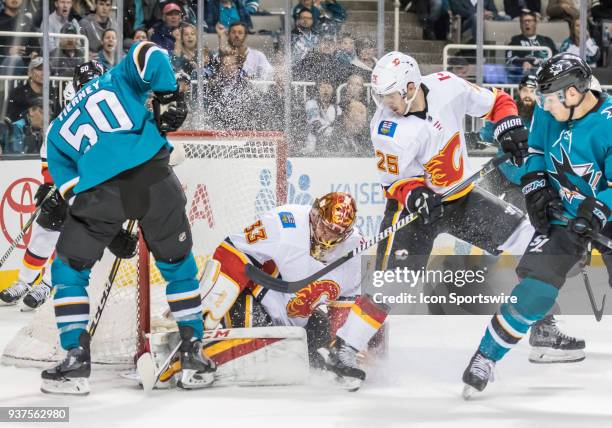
(419, 386)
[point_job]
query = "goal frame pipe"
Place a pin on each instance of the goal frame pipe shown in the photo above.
(144, 268)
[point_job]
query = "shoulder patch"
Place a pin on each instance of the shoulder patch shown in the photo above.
(287, 219)
(387, 128)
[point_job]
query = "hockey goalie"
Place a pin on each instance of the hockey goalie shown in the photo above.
(293, 242)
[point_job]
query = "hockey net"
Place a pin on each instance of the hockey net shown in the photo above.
(229, 178)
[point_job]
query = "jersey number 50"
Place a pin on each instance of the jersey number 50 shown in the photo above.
(120, 119)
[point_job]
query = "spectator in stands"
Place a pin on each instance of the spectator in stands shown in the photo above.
(525, 62)
(572, 44)
(231, 101)
(256, 65)
(15, 51)
(514, 8)
(163, 32)
(350, 134)
(275, 110)
(184, 56)
(67, 56)
(94, 24)
(59, 18)
(310, 5)
(140, 35)
(602, 9)
(107, 55)
(303, 37)
(562, 9)
(353, 91)
(346, 50)
(466, 9)
(365, 60)
(82, 8)
(460, 66)
(24, 135)
(226, 12)
(322, 61)
(19, 97)
(321, 113)
(433, 15)
(333, 15)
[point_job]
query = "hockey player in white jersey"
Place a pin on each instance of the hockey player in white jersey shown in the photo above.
(418, 137)
(417, 134)
(294, 241)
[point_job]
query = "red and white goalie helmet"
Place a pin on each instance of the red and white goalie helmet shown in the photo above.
(392, 73)
(332, 218)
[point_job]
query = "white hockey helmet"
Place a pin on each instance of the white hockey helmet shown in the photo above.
(392, 73)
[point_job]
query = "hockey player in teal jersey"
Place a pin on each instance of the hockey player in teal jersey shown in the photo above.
(568, 168)
(108, 155)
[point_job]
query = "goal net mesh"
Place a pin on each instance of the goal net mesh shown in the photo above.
(229, 179)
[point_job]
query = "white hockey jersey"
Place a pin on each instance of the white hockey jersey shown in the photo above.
(283, 237)
(429, 148)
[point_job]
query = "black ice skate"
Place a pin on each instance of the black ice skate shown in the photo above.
(197, 371)
(342, 361)
(14, 293)
(477, 374)
(36, 296)
(71, 375)
(549, 345)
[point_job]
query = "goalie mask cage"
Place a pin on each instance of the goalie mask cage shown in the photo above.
(229, 179)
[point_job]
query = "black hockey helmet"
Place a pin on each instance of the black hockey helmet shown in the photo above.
(562, 71)
(85, 72)
(528, 81)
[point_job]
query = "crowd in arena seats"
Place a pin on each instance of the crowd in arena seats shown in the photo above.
(329, 113)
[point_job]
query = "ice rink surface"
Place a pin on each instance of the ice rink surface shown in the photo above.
(420, 385)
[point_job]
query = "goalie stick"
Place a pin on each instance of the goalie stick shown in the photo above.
(19, 237)
(107, 287)
(267, 281)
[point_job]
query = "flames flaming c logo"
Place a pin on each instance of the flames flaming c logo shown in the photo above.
(307, 299)
(442, 168)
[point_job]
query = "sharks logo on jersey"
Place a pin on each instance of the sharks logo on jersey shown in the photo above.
(607, 112)
(576, 180)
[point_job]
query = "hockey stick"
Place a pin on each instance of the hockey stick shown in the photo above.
(19, 237)
(146, 368)
(107, 287)
(604, 240)
(587, 284)
(267, 281)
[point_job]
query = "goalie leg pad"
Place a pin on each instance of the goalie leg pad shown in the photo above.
(219, 291)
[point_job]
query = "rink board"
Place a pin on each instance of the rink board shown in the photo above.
(211, 199)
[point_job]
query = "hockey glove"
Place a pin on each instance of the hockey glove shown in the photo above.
(512, 136)
(173, 115)
(592, 215)
(124, 244)
(539, 198)
(41, 193)
(425, 202)
(52, 212)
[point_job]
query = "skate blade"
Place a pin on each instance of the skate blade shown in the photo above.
(468, 392)
(3, 303)
(191, 379)
(349, 384)
(75, 386)
(541, 355)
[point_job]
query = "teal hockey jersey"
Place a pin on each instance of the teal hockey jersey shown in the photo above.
(577, 155)
(107, 129)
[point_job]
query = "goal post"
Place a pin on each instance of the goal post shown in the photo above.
(229, 179)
